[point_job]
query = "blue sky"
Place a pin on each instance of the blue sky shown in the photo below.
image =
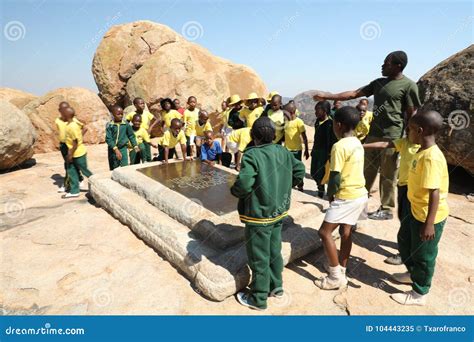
(293, 45)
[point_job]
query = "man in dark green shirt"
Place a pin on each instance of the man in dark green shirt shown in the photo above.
(395, 101)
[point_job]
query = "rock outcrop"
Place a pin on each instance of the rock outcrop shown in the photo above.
(449, 89)
(16, 97)
(89, 109)
(149, 60)
(17, 136)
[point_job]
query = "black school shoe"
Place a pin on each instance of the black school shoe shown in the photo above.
(381, 214)
(244, 299)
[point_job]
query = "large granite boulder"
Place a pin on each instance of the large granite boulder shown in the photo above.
(449, 89)
(17, 136)
(16, 97)
(89, 109)
(152, 61)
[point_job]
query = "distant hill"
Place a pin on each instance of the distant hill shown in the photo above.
(305, 103)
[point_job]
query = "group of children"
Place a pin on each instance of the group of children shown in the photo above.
(339, 136)
(266, 140)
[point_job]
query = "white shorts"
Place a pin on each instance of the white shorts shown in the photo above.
(232, 146)
(347, 211)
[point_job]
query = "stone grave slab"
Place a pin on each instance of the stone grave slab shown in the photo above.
(201, 202)
(215, 270)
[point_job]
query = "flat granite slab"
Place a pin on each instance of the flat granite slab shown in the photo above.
(214, 272)
(201, 201)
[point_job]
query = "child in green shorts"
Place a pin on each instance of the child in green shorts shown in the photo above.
(428, 183)
(264, 199)
(148, 122)
(407, 151)
(142, 137)
(76, 154)
(118, 134)
(61, 125)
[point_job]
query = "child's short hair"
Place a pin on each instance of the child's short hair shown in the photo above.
(263, 129)
(135, 100)
(431, 121)
(115, 107)
(175, 121)
(137, 116)
(325, 106)
(348, 116)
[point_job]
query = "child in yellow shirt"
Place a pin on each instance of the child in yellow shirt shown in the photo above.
(428, 184)
(76, 155)
(252, 109)
(147, 123)
(366, 117)
(238, 141)
(295, 135)
(407, 151)
(142, 137)
(201, 125)
(190, 116)
(61, 125)
(167, 143)
(347, 196)
(168, 113)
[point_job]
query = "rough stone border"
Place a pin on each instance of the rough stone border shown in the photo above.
(221, 231)
(215, 273)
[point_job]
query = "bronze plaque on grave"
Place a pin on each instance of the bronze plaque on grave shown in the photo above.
(195, 180)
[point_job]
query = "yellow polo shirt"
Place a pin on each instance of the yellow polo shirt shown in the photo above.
(250, 116)
(170, 141)
(147, 117)
(407, 151)
(200, 129)
(190, 118)
(428, 171)
(74, 132)
(61, 126)
(293, 130)
(363, 127)
(278, 119)
(241, 137)
(347, 158)
(167, 117)
(141, 135)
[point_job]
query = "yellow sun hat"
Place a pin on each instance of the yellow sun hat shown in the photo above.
(234, 99)
(253, 96)
(273, 93)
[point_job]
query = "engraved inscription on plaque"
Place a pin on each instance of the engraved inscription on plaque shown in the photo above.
(208, 185)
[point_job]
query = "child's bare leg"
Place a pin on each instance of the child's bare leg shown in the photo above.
(346, 244)
(325, 233)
